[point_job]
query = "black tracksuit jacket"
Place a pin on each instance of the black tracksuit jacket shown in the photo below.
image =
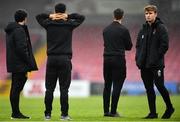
(151, 46)
(116, 40)
(59, 33)
(19, 54)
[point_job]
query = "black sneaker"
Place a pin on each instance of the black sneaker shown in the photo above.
(19, 116)
(167, 114)
(151, 116)
(47, 116)
(107, 114)
(115, 115)
(66, 118)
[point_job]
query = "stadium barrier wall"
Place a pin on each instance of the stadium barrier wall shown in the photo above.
(78, 88)
(84, 88)
(135, 88)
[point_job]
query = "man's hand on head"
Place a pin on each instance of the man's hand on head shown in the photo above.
(58, 16)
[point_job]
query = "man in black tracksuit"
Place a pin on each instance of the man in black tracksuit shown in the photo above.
(116, 41)
(59, 27)
(19, 57)
(151, 46)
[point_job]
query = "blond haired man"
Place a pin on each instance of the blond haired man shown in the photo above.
(151, 46)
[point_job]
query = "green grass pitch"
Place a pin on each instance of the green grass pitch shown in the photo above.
(131, 108)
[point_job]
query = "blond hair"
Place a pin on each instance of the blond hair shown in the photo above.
(150, 8)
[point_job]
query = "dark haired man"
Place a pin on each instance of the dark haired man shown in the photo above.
(20, 59)
(59, 27)
(151, 46)
(116, 40)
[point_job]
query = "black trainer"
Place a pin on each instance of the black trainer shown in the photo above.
(66, 118)
(107, 114)
(167, 114)
(47, 116)
(19, 116)
(115, 115)
(151, 116)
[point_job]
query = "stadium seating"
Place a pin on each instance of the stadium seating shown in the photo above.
(3, 71)
(88, 51)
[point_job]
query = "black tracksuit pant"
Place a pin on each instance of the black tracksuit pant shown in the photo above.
(151, 77)
(114, 71)
(58, 67)
(17, 84)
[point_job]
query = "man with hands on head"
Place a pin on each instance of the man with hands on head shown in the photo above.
(59, 28)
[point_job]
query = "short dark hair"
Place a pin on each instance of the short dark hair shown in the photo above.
(20, 15)
(60, 8)
(118, 13)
